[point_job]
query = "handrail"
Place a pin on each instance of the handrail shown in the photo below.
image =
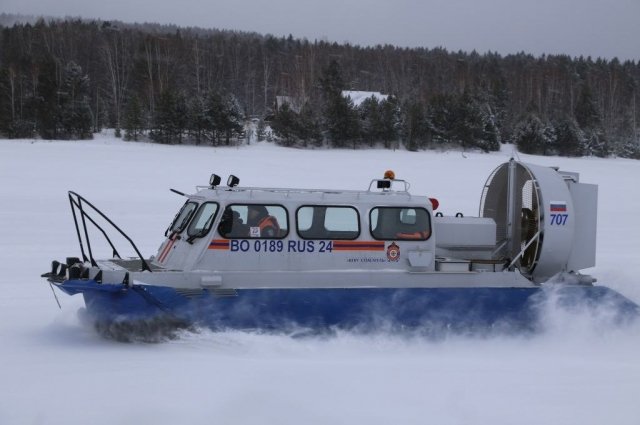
(286, 190)
(77, 201)
(115, 251)
(522, 251)
(390, 188)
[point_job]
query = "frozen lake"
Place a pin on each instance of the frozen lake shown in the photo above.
(55, 370)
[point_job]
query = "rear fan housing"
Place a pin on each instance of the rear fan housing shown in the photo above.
(519, 198)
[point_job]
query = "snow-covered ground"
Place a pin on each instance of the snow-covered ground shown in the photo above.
(55, 370)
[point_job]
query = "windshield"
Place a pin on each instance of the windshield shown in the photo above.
(183, 217)
(203, 220)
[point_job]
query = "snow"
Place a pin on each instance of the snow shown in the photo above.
(357, 97)
(56, 370)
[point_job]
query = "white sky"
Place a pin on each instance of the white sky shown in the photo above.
(599, 28)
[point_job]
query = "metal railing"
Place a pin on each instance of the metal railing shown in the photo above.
(78, 203)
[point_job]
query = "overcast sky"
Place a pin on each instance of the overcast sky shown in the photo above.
(599, 28)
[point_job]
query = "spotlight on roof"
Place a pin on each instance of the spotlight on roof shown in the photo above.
(233, 181)
(384, 184)
(214, 181)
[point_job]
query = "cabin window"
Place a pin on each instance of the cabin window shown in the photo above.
(254, 221)
(328, 222)
(203, 220)
(399, 223)
(183, 217)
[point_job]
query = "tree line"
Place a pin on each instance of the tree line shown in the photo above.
(63, 79)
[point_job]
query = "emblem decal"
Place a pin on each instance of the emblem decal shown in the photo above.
(393, 252)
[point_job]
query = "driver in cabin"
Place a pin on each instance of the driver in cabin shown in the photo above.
(261, 224)
(231, 224)
(226, 223)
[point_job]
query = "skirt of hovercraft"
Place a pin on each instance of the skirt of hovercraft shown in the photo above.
(430, 311)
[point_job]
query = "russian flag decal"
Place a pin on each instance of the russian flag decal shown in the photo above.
(558, 206)
(219, 244)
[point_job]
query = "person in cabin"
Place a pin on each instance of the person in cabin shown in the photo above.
(231, 225)
(239, 228)
(261, 224)
(226, 223)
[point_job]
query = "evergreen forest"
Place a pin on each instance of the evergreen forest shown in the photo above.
(68, 79)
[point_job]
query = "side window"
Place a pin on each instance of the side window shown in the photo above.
(322, 222)
(203, 220)
(254, 221)
(182, 218)
(397, 223)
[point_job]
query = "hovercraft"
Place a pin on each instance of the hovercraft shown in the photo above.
(280, 258)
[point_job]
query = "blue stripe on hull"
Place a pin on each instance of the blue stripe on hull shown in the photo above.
(366, 309)
(359, 308)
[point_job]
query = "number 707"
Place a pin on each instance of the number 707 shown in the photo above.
(559, 219)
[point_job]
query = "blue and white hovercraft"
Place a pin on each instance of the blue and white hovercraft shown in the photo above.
(276, 258)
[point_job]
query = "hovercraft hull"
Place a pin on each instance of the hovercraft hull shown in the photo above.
(429, 310)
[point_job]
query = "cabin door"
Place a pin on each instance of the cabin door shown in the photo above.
(186, 243)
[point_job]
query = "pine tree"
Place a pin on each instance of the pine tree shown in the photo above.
(292, 128)
(340, 115)
(331, 81)
(75, 114)
(630, 149)
(261, 130)
(467, 122)
(488, 138)
(133, 119)
(164, 127)
(442, 117)
(595, 143)
(529, 135)
(370, 123)
(237, 115)
(213, 111)
(285, 125)
(341, 121)
(46, 100)
(16, 119)
(233, 123)
(570, 139)
(586, 111)
(199, 124)
(549, 138)
(180, 116)
(225, 116)
(345, 126)
(415, 127)
(7, 113)
(390, 121)
(309, 128)
(171, 118)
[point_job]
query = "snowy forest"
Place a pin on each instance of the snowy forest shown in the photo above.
(67, 79)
